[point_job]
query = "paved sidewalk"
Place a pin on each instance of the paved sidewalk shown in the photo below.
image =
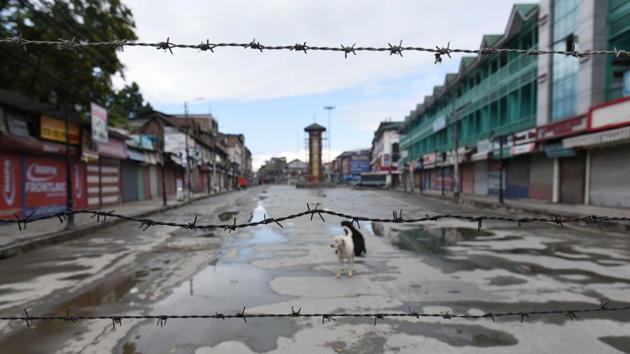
(36, 234)
(537, 207)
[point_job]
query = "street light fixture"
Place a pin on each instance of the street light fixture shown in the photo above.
(329, 109)
(53, 98)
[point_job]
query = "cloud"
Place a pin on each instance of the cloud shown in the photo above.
(245, 74)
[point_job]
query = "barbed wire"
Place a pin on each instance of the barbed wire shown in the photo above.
(392, 49)
(571, 314)
(397, 218)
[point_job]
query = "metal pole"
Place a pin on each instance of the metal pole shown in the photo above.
(163, 178)
(69, 203)
(329, 109)
(456, 153)
(443, 163)
(187, 155)
(501, 170)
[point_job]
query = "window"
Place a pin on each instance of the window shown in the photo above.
(565, 68)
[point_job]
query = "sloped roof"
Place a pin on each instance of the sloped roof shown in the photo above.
(314, 127)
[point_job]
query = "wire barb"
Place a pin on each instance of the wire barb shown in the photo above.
(442, 51)
(300, 47)
(347, 50)
(395, 49)
(167, 45)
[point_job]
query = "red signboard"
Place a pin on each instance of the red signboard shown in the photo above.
(79, 188)
(44, 182)
(9, 184)
(565, 127)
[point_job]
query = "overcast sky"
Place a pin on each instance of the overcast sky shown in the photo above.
(270, 97)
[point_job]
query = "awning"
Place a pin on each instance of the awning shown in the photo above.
(557, 150)
(479, 156)
(136, 155)
(522, 149)
(614, 136)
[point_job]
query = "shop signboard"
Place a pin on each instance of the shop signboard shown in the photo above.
(565, 127)
(55, 130)
(99, 123)
(44, 182)
(10, 195)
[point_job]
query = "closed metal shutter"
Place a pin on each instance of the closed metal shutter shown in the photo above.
(541, 177)
(468, 178)
(153, 181)
(517, 171)
(481, 178)
(610, 177)
(129, 181)
(572, 179)
(109, 181)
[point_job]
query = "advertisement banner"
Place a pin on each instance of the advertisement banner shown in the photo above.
(44, 182)
(79, 191)
(10, 184)
(55, 130)
(99, 124)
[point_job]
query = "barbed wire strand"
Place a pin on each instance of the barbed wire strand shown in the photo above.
(397, 49)
(145, 223)
(571, 314)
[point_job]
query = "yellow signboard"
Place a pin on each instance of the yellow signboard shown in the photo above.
(55, 129)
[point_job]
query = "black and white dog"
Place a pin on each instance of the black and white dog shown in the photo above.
(357, 237)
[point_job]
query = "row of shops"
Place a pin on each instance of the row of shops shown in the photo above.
(582, 160)
(124, 168)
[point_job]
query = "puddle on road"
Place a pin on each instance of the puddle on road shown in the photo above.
(222, 288)
(228, 215)
(621, 343)
(434, 244)
(262, 234)
(428, 241)
(45, 336)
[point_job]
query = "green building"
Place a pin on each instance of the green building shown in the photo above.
(491, 96)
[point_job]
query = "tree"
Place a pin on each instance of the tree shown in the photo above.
(126, 104)
(77, 76)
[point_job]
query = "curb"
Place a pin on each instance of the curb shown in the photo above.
(611, 225)
(35, 242)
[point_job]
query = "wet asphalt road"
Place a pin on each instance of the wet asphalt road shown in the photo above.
(436, 267)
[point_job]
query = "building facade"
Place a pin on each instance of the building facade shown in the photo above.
(547, 127)
(385, 152)
(488, 104)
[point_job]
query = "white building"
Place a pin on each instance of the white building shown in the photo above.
(386, 152)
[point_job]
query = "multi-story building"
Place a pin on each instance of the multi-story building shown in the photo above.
(297, 171)
(385, 151)
(350, 164)
(491, 99)
(582, 116)
(274, 171)
(547, 127)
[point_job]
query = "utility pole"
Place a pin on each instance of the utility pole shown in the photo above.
(456, 154)
(187, 154)
(501, 170)
(329, 109)
(443, 164)
(69, 202)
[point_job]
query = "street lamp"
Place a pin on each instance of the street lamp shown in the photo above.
(188, 169)
(329, 109)
(69, 203)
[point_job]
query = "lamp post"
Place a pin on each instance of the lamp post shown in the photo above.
(329, 109)
(69, 202)
(188, 168)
